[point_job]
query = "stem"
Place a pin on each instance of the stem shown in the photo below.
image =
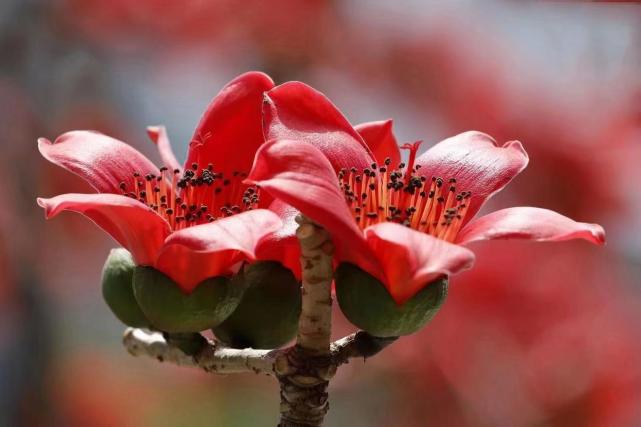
(315, 323)
(360, 344)
(304, 370)
(213, 358)
(217, 359)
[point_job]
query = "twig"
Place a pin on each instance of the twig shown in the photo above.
(358, 345)
(303, 370)
(213, 358)
(216, 359)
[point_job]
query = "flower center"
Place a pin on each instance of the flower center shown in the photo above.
(380, 193)
(198, 196)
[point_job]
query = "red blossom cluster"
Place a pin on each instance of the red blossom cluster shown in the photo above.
(308, 142)
(531, 335)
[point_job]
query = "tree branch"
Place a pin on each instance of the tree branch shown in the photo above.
(213, 358)
(222, 360)
(303, 370)
(357, 345)
(315, 322)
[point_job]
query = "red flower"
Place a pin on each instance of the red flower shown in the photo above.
(191, 223)
(402, 224)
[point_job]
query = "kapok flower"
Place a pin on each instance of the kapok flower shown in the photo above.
(190, 223)
(404, 223)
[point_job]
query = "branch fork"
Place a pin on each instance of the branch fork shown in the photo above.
(303, 370)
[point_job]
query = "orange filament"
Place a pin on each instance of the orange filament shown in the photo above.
(197, 197)
(381, 194)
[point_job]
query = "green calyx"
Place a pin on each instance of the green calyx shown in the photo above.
(367, 304)
(170, 310)
(267, 316)
(117, 288)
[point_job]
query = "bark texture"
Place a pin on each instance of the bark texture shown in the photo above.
(214, 357)
(304, 370)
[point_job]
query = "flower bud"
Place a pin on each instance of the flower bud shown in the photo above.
(367, 304)
(117, 289)
(267, 316)
(169, 309)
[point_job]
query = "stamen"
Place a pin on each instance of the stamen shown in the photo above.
(380, 193)
(192, 198)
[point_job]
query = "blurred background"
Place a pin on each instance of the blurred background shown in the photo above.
(535, 335)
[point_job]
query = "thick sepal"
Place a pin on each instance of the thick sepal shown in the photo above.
(169, 309)
(367, 303)
(267, 316)
(118, 291)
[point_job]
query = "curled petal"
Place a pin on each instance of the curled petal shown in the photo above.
(132, 224)
(531, 224)
(477, 162)
(299, 175)
(282, 245)
(194, 254)
(298, 112)
(410, 259)
(158, 135)
(230, 131)
(102, 161)
(381, 140)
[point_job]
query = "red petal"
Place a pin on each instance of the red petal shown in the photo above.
(302, 177)
(411, 259)
(158, 135)
(102, 161)
(282, 245)
(194, 254)
(132, 224)
(381, 140)
(298, 112)
(529, 223)
(230, 131)
(478, 164)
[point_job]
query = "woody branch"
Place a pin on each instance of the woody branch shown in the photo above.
(303, 370)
